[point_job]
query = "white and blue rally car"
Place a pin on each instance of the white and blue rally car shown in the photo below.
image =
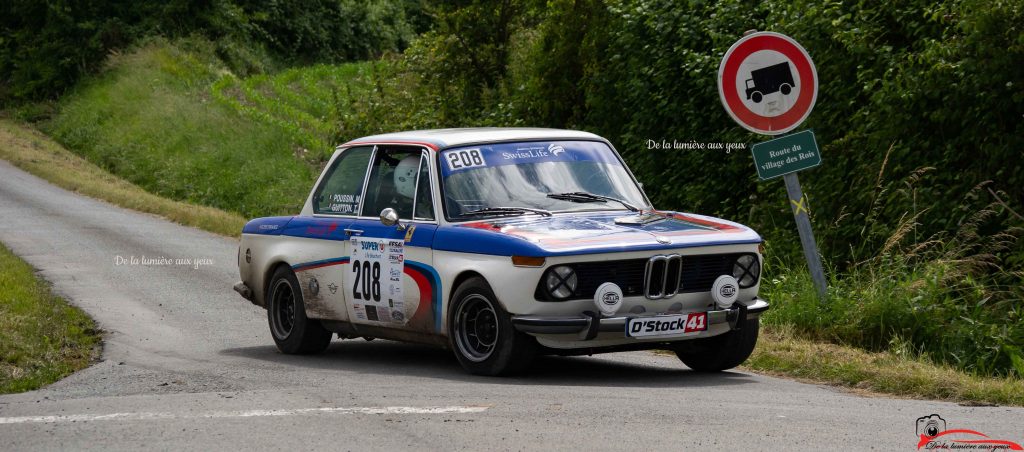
(501, 244)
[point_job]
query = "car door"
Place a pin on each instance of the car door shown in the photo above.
(391, 281)
(320, 244)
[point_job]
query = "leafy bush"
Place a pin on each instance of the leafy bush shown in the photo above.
(46, 46)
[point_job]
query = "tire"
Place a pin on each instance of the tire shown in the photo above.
(721, 352)
(481, 334)
(786, 89)
(756, 97)
(293, 333)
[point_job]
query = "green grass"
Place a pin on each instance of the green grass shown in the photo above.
(42, 338)
(307, 103)
(933, 307)
(150, 119)
(900, 371)
(38, 154)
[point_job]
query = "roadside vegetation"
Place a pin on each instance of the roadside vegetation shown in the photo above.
(899, 370)
(38, 154)
(42, 338)
(917, 205)
(174, 140)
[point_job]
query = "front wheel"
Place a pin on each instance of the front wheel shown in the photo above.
(481, 333)
(293, 333)
(721, 352)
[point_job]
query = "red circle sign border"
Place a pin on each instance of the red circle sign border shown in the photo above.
(766, 40)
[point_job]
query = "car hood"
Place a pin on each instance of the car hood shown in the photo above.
(591, 233)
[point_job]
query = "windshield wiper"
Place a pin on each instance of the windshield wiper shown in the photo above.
(582, 196)
(508, 211)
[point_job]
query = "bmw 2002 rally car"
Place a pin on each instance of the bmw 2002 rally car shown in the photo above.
(501, 244)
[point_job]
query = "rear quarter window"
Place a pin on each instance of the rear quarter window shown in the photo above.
(341, 190)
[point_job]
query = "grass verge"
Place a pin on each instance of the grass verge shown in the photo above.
(42, 338)
(36, 153)
(901, 373)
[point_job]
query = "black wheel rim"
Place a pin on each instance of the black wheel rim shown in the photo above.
(283, 305)
(476, 328)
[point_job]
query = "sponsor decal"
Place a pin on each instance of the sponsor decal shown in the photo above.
(408, 233)
(333, 288)
(527, 153)
(555, 149)
(933, 433)
(321, 230)
(667, 325)
(611, 298)
(269, 227)
(728, 290)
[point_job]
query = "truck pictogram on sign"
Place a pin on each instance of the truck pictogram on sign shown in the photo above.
(768, 80)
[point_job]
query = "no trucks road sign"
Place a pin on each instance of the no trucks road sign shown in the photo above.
(767, 83)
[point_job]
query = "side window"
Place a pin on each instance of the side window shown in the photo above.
(341, 190)
(392, 181)
(424, 199)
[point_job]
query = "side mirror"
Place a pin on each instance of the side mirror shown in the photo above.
(388, 217)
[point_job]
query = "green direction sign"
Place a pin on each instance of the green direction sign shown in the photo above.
(785, 155)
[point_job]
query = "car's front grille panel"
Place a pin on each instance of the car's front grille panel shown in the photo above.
(701, 271)
(627, 274)
(697, 275)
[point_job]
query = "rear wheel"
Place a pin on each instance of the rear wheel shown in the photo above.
(721, 352)
(481, 333)
(292, 331)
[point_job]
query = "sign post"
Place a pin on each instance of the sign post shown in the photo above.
(768, 84)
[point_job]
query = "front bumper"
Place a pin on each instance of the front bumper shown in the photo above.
(589, 324)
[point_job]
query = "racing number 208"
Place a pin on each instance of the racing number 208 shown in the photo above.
(468, 158)
(368, 279)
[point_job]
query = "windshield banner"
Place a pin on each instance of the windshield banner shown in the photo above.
(483, 156)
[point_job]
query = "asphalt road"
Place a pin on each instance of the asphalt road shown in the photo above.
(188, 364)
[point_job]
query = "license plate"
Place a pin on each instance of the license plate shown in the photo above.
(667, 325)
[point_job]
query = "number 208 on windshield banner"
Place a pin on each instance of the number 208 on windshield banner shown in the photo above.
(375, 280)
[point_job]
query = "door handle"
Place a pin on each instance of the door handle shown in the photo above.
(353, 231)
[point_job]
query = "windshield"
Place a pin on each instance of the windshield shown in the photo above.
(478, 179)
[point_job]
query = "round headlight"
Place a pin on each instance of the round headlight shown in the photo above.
(746, 270)
(561, 282)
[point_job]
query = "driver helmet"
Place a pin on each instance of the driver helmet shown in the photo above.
(405, 175)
